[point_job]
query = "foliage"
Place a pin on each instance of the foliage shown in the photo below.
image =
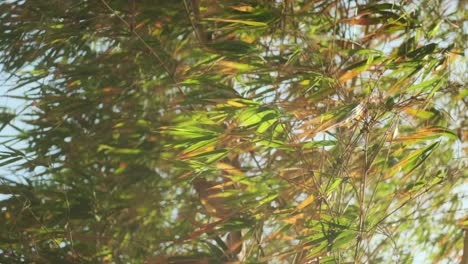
(332, 129)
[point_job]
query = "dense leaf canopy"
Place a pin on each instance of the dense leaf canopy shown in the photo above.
(204, 131)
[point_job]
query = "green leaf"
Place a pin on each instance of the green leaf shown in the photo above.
(333, 186)
(320, 143)
(425, 85)
(415, 159)
(344, 239)
(114, 150)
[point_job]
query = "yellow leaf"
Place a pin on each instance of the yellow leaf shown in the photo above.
(231, 170)
(235, 103)
(349, 74)
(236, 65)
(419, 113)
(425, 133)
(245, 22)
(305, 203)
(244, 8)
(293, 219)
(187, 155)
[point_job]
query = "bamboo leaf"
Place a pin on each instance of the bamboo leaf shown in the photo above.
(426, 134)
(413, 160)
(305, 203)
(245, 22)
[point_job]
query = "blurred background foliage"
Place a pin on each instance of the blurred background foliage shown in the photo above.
(317, 131)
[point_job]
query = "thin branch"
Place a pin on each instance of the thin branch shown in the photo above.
(151, 50)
